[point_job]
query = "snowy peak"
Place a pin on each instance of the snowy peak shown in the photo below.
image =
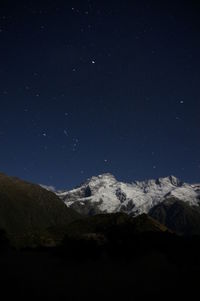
(105, 179)
(104, 194)
(166, 181)
(169, 180)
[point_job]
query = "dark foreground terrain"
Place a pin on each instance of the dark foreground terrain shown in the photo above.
(50, 252)
(158, 265)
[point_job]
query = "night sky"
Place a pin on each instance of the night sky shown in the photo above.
(88, 87)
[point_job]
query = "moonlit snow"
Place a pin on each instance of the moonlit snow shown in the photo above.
(104, 194)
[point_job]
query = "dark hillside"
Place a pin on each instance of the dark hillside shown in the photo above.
(31, 215)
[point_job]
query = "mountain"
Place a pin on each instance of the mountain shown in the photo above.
(30, 215)
(178, 216)
(104, 194)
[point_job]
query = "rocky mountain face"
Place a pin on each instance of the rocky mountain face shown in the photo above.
(104, 194)
(170, 201)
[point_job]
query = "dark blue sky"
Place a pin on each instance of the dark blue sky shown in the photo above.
(88, 87)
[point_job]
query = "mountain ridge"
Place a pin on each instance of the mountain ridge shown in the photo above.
(104, 194)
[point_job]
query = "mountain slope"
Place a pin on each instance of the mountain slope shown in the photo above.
(178, 216)
(104, 194)
(31, 215)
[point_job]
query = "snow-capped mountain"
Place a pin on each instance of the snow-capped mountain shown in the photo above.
(104, 194)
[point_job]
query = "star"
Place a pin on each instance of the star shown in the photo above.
(93, 62)
(44, 134)
(181, 101)
(65, 133)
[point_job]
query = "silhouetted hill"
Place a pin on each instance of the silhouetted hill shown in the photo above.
(31, 215)
(109, 234)
(104, 223)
